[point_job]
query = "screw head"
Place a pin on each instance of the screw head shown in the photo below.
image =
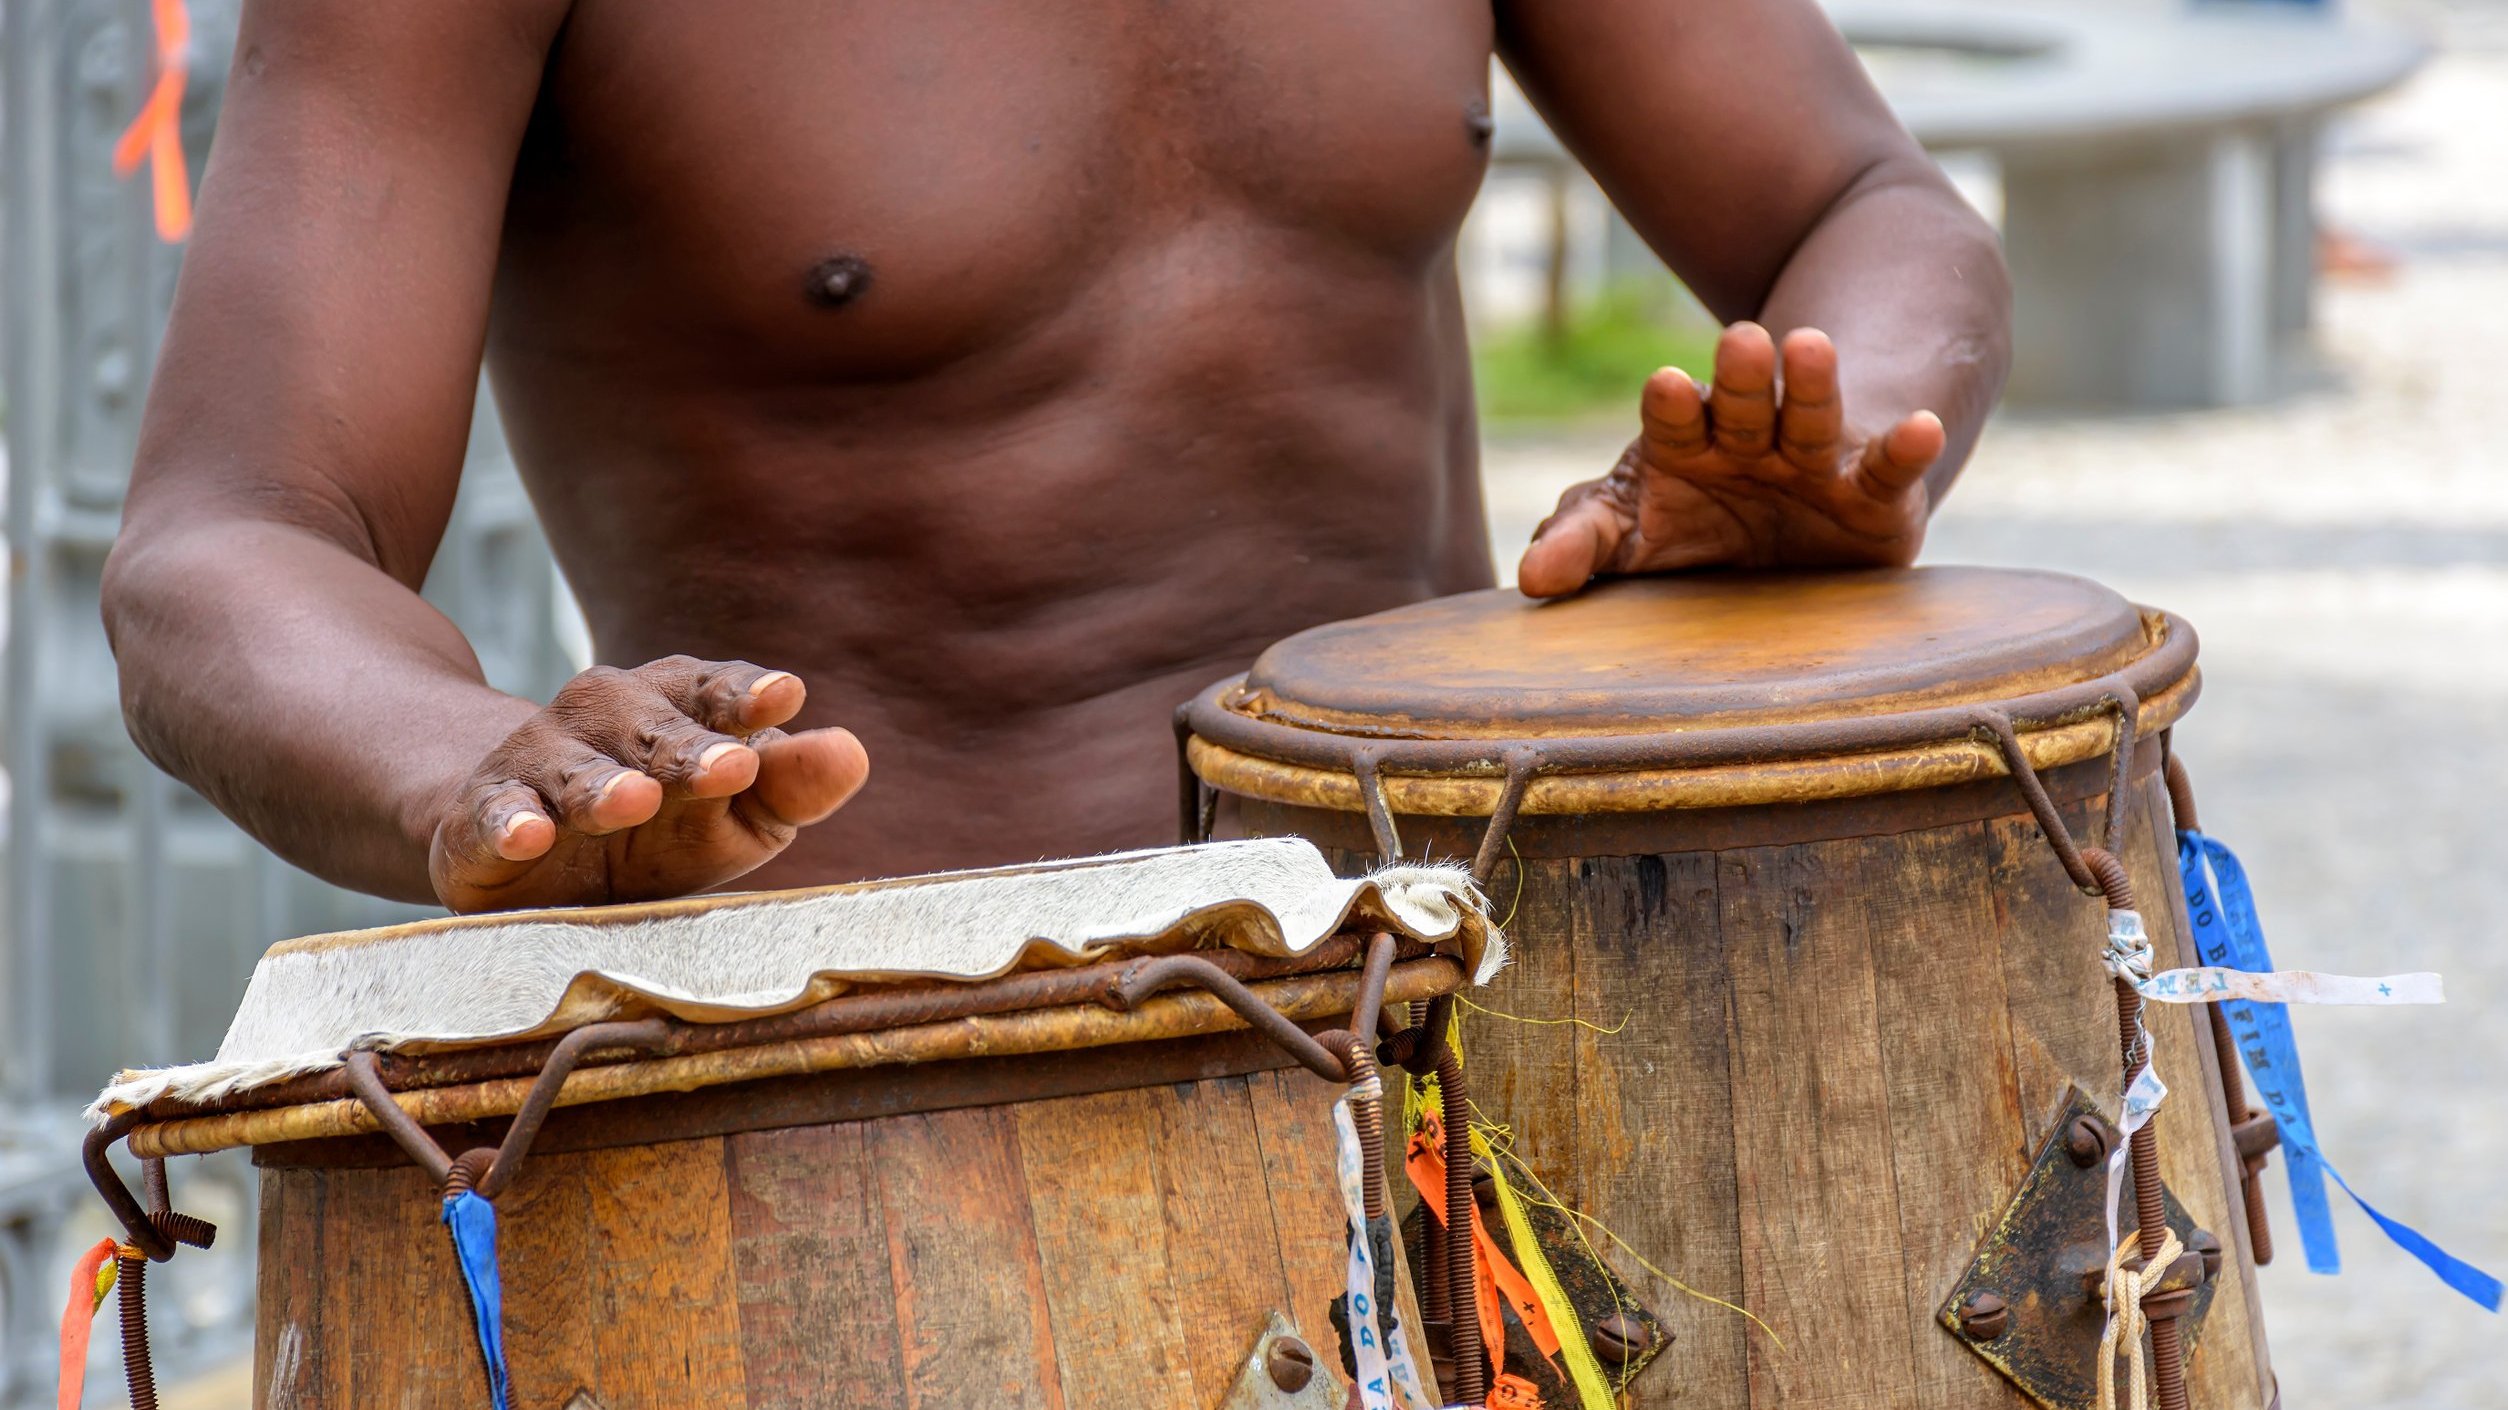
(1621, 1338)
(2209, 1247)
(1983, 1317)
(2088, 1140)
(1290, 1363)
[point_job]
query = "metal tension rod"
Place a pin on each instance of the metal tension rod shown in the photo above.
(2098, 870)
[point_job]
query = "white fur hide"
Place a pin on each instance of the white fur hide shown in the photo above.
(474, 980)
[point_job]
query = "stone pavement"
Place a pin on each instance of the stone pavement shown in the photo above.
(2344, 556)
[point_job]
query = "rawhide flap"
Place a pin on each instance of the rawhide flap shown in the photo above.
(469, 981)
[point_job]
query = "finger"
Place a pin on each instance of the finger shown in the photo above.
(1898, 459)
(1811, 422)
(734, 697)
(1571, 546)
(693, 761)
(493, 835)
(1741, 406)
(1672, 414)
(803, 777)
(638, 719)
(590, 791)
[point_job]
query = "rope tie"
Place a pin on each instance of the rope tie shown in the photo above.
(2125, 1323)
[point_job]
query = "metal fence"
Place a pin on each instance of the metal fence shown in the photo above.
(133, 912)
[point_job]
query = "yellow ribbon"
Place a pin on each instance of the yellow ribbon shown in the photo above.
(1593, 1388)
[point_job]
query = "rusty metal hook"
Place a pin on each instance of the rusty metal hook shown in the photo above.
(1144, 978)
(1522, 764)
(1371, 786)
(365, 1079)
(155, 1229)
(2095, 870)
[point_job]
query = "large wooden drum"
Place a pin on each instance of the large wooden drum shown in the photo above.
(1844, 1027)
(1080, 1185)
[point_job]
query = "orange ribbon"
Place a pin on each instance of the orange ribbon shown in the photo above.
(78, 1320)
(1494, 1276)
(157, 133)
(1513, 1392)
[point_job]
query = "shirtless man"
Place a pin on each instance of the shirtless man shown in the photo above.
(1005, 370)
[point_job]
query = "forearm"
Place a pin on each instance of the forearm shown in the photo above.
(311, 696)
(1909, 283)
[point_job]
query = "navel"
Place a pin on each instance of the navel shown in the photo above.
(834, 283)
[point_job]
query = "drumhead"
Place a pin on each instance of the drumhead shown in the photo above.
(1724, 649)
(1680, 690)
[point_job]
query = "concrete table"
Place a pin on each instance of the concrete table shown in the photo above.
(2157, 170)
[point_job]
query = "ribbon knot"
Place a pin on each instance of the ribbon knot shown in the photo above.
(2128, 953)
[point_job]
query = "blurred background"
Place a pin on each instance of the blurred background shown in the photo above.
(2261, 252)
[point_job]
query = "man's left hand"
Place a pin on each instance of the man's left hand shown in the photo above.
(1749, 471)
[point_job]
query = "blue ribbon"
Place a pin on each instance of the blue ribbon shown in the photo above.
(472, 1221)
(2229, 934)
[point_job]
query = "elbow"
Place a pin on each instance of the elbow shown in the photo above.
(138, 594)
(124, 586)
(1967, 268)
(158, 579)
(142, 580)
(1992, 350)
(1981, 348)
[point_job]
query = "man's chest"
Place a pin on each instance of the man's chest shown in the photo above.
(974, 161)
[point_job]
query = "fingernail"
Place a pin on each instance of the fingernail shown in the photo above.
(707, 760)
(609, 786)
(762, 683)
(514, 824)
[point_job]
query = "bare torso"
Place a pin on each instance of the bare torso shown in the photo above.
(1009, 371)
(982, 376)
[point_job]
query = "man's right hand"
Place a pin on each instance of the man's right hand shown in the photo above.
(639, 784)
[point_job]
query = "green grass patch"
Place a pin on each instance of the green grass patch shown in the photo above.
(1595, 366)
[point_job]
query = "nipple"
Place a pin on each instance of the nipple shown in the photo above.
(1478, 122)
(836, 282)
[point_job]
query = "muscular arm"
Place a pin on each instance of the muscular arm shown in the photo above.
(298, 462)
(304, 435)
(1746, 145)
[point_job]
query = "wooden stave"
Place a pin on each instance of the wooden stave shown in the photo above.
(2015, 877)
(726, 1269)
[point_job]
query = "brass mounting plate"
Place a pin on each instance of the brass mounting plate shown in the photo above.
(2035, 1259)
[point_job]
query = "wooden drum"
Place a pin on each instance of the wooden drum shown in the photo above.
(1065, 1186)
(1847, 1054)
